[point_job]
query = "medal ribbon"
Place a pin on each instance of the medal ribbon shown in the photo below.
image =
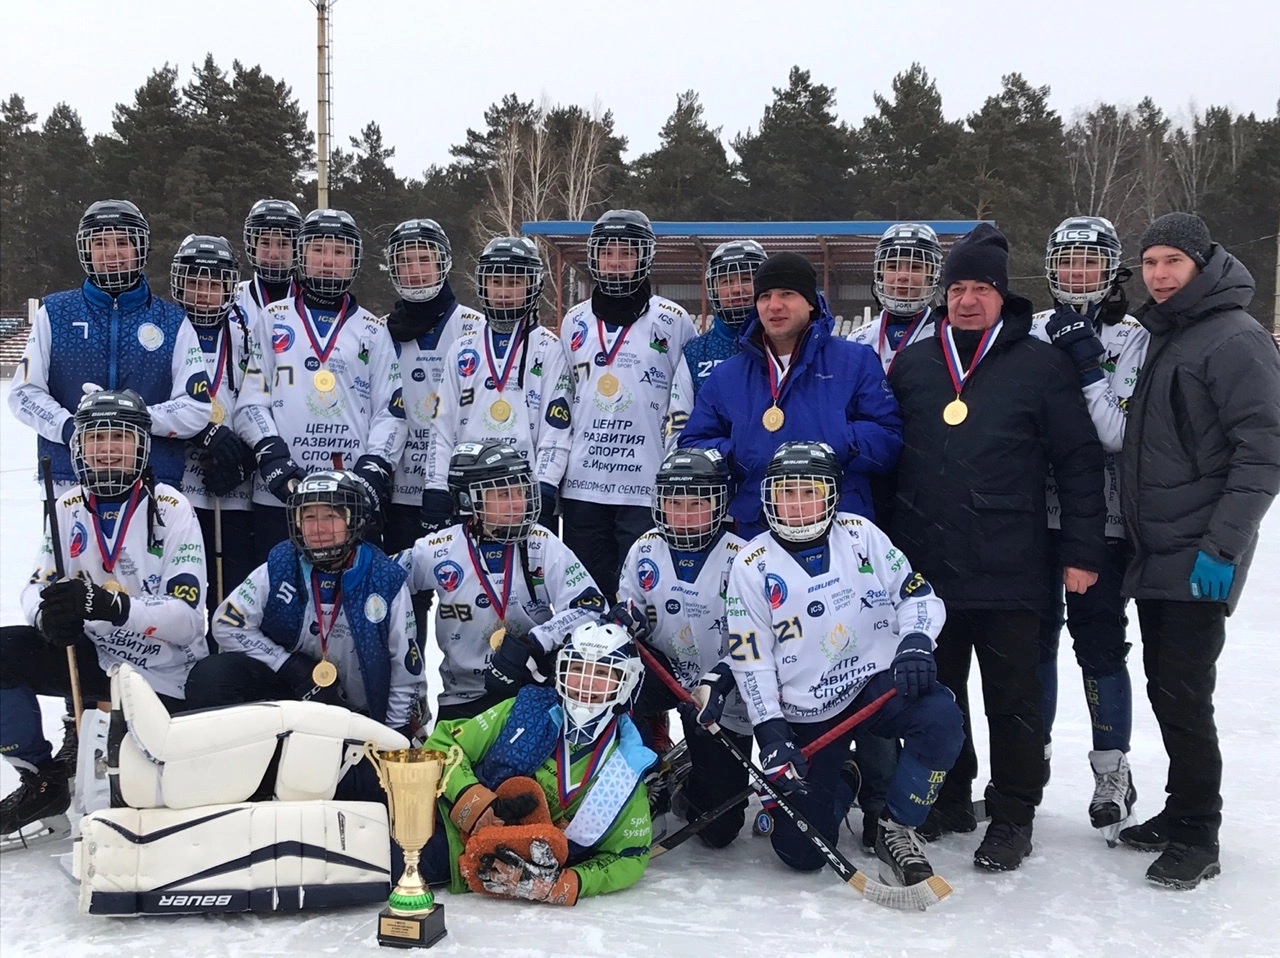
(905, 341)
(959, 375)
(773, 365)
(220, 367)
(513, 347)
(477, 563)
(610, 354)
(111, 554)
(308, 325)
(325, 630)
(564, 766)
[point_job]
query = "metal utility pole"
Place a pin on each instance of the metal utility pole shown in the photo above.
(324, 99)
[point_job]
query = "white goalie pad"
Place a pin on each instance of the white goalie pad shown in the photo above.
(260, 856)
(220, 756)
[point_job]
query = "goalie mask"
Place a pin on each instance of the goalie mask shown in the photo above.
(730, 271)
(906, 269)
(328, 514)
(494, 490)
(112, 242)
(419, 257)
(620, 252)
(329, 252)
(111, 443)
(1082, 260)
(509, 281)
(270, 234)
(203, 278)
(801, 489)
(690, 497)
(598, 674)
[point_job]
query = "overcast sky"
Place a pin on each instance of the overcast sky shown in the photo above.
(425, 70)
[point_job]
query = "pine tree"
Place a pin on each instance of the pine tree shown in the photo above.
(688, 176)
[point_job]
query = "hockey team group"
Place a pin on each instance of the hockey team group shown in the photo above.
(260, 492)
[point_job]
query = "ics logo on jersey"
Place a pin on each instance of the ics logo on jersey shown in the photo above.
(449, 575)
(468, 362)
(775, 590)
(281, 337)
(673, 607)
(579, 336)
(482, 601)
(816, 609)
(79, 539)
(647, 574)
(419, 375)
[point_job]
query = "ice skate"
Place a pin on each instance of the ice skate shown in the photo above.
(1113, 794)
(35, 812)
(901, 852)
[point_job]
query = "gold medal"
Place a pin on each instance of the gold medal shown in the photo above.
(608, 385)
(500, 633)
(111, 585)
(955, 413)
(324, 381)
(773, 419)
(500, 410)
(217, 415)
(324, 674)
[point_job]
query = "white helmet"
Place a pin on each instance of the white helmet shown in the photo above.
(598, 675)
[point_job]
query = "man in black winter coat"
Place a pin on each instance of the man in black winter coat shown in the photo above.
(1201, 468)
(987, 409)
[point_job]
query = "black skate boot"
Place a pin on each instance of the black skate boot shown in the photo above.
(1004, 847)
(901, 849)
(67, 755)
(1113, 793)
(42, 798)
(1151, 836)
(1184, 866)
(947, 817)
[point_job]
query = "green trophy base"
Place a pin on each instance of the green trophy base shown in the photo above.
(411, 931)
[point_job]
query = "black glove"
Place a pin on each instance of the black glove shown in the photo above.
(374, 474)
(296, 673)
(1072, 332)
(67, 604)
(914, 669)
(550, 499)
(709, 696)
(783, 763)
(226, 459)
(437, 510)
(509, 667)
(627, 615)
(277, 468)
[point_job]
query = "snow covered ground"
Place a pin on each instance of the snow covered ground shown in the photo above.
(1073, 897)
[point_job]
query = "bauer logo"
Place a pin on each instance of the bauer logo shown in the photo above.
(468, 362)
(281, 337)
(193, 901)
(775, 590)
(79, 539)
(449, 575)
(647, 574)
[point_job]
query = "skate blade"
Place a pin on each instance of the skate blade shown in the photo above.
(1111, 833)
(56, 828)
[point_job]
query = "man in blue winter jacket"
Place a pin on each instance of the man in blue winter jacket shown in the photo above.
(794, 381)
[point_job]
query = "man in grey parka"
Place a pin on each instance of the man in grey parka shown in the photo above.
(1201, 465)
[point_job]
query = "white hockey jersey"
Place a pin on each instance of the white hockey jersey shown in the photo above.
(873, 334)
(680, 403)
(618, 440)
(688, 618)
(362, 413)
(422, 364)
(164, 634)
(801, 646)
(531, 412)
(1125, 344)
(450, 561)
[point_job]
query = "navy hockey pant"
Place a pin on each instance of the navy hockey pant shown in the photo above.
(600, 535)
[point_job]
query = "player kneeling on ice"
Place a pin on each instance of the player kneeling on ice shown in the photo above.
(327, 619)
(675, 576)
(131, 590)
(548, 803)
(825, 616)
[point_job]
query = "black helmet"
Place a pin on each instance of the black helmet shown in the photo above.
(118, 270)
(736, 259)
(346, 495)
(692, 474)
(340, 227)
(204, 258)
(1082, 243)
(276, 219)
(476, 467)
(628, 229)
(509, 256)
(808, 465)
(111, 444)
(403, 246)
(911, 247)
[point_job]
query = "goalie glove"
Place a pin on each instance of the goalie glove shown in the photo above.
(537, 878)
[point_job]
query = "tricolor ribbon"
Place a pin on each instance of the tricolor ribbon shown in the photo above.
(959, 375)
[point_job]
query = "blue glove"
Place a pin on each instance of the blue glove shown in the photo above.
(437, 510)
(783, 763)
(277, 468)
(1211, 578)
(550, 499)
(914, 669)
(1073, 333)
(225, 458)
(68, 428)
(509, 667)
(631, 618)
(709, 696)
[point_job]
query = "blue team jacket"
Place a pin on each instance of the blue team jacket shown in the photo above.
(703, 353)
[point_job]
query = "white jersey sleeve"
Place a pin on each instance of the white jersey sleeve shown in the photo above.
(408, 679)
(253, 419)
(29, 397)
(224, 394)
(182, 415)
(682, 396)
(386, 431)
(237, 623)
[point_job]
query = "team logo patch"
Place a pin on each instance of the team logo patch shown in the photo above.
(375, 608)
(647, 574)
(150, 336)
(837, 642)
(281, 337)
(579, 336)
(79, 539)
(413, 660)
(816, 609)
(397, 403)
(775, 590)
(673, 607)
(419, 375)
(449, 575)
(468, 362)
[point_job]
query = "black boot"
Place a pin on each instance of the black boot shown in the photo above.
(1004, 847)
(66, 755)
(1151, 836)
(947, 817)
(899, 847)
(1184, 866)
(42, 794)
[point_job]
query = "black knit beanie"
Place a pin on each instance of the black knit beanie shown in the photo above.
(788, 271)
(982, 254)
(1182, 231)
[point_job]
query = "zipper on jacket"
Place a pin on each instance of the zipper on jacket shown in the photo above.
(115, 341)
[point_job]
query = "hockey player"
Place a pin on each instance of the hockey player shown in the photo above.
(729, 292)
(1108, 346)
(623, 346)
(904, 278)
(676, 575)
(220, 465)
(323, 386)
(424, 323)
(270, 236)
(567, 754)
(327, 617)
(825, 615)
(498, 575)
(132, 591)
(504, 380)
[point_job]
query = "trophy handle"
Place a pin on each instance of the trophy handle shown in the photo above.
(371, 753)
(454, 757)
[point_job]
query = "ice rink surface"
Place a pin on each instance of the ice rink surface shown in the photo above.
(1073, 897)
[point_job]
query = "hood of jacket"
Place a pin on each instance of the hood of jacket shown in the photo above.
(1224, 284)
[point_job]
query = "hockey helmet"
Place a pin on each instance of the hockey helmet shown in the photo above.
(598, 674)
(620, 251)
(732, 267)
(328, 253)
(494, 490)
(801, 490)
(279, 222)
(112, 242)
(203, 278)
(1082, 260)
(111, 443)
(906, 268)
(690, 498)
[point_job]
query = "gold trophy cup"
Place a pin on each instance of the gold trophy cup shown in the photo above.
(412, 779)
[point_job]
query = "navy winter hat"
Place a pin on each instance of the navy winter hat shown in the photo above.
(1182, 231)
(788, 271)
(982, 254)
